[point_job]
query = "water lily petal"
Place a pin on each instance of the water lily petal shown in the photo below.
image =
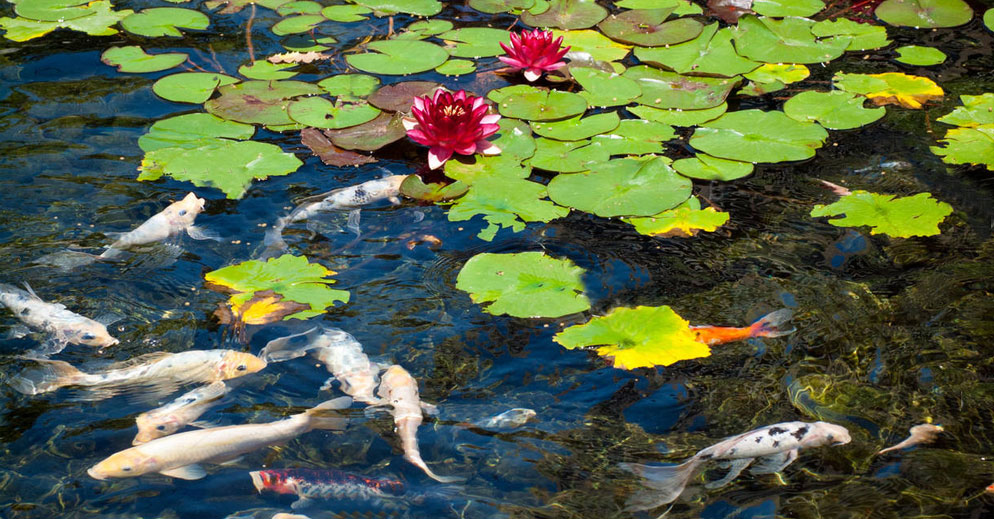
(437, 156)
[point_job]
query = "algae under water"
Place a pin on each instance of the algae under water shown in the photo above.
(891, 332)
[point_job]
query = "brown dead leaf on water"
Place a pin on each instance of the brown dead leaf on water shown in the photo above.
(329, 153)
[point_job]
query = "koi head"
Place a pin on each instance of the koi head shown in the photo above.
(125, 464)
(182, 213)
(824, 433)
(273, 480)
(235, 364)
(93, 334)
(155, 425)
(393, 183)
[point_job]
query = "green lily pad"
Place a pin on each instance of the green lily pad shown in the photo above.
(890, 88)
(399, 97)
(567, 156)
(398, 57)
(375, 134)
(864, 36)
(834, 110)
(501, 6)
(968, 146)
(638, 337)
(566, 15)
(536, 104)
(164, 21)
(297, 24)
(662, 89)
(575, 128)
(918, 215)
(789, 40)
(424, 29)
(678, 117)
(307, 43)
(711, 53)
(319, 112)
(475, 42)
(299, 7)
(98, 21)
(635, 137)
(921, 56)
(414, 187)
(605, 89)
(785, 73)
(989, 18)
(234, 6)
(259, 102)
(266, 70)
(976, 110)
(514, 138)
(133, 59)
(390, 7)
(705, 167)
(924, 13)
(456, 67)
(756, 88)
(52, 10)
(622, 187)
(649, 28)
(782, 8)
(345, 13)
(292, 277)
(350, 86)
(685, 220)
(757, 136)
(592, 43)
(209, 151)
(525, 284)
(190, 87)
(680, 6)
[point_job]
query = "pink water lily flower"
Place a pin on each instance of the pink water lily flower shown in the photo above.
(534, 52)
(452, 123)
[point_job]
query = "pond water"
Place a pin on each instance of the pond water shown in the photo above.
(891, 332)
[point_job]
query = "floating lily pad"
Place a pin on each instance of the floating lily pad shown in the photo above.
(424, 29)
(164, 21)
(635, 137)
(100, 16)
(968, 146)
(576, 129)
(259, 102)
(345, 13)
(306, 43)
(662, 89)
(924, 13)
(414, 187)
(567, 156)
(757, 136)
(456, 67)
(989, 18)
(398, 57)
(705, 167)
(593, 44)
(52, 10)
(789, 40)
(319, 112)
(500, 6)
(293, 278)
(622, 187)
(680, 6)
(390, 7)
(605, 89)
(350, 86)
(835, 110)
(649, 28)
(864, 36)
(299, 7)
(266, 70)
(234, 6)
(781, 8)
(976, 110)
(375, 134)
(890, 88)
(332, 155)
(399, 97)
(566, 15)
(678, 117)
(525, 284)
(918, 215)
(297, 24)
(475, 42)
(711, 53)
(133, 59)
(685, 220)
(190, 87)
(638, 337)
(536, 104)
(918, 55)
(514, 138)
(785, 73)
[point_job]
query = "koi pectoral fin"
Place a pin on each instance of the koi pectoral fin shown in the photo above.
(735, 467)
(773, 463)
(189, 472)
(199, 233)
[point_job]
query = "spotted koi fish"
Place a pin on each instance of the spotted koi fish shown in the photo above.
(770, 325)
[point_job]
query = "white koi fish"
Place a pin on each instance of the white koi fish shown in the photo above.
(510, 419)
(350, 199)
(171, 221)
(161, 370)
(924, 433)
(399, 390)
(66, 327)
(341, 354)
(774, 446)
(173, 416)
(179, 455)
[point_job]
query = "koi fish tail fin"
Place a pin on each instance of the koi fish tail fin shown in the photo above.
(273, 241)
(324, 415)
(663, 484)
(68, 260)
(424, 467)
(49, 375)
(773, 324)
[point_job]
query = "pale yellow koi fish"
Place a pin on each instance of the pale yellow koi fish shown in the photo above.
(66, 327)
(174, 219)
(920, 434)
(173, 416)
(179, 455)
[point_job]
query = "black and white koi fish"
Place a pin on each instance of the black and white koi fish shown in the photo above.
(171, 221)
(65, 327)
(774, 447)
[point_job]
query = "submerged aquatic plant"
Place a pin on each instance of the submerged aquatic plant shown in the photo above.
(535, 52)
(452, 123)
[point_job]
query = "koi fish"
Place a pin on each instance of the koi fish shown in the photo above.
(774, 447)
(161, 369)
(309, 484)
(341, 354)
(770, 325)
(65, 326)
(179, 455)
(510, 419)
(173, 416)
(171, 221)
(399, 390)
(924, 433)
(350, 199)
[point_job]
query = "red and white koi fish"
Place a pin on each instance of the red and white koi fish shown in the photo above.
(179, 413)
(171, 221)
(309, 484)
(774, 447)
(66, 327)
(179, 455)
(399, 390)
(770, 325)
(924, 433)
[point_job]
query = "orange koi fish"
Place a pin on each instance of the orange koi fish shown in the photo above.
(770, 325)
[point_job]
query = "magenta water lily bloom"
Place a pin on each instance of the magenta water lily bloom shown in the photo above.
(535, 52)
(452, 123)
